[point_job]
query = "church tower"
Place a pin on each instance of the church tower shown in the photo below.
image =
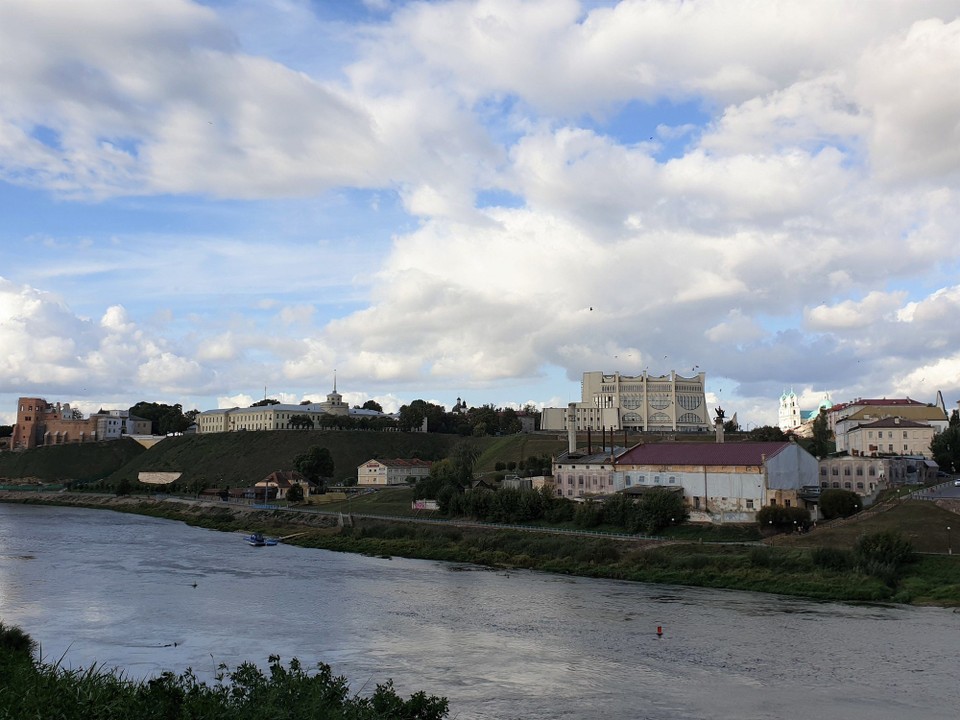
(789, 416)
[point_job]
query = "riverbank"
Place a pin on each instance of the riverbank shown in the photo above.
(799, 572)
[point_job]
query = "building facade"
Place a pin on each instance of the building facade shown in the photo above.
(392, 472)
(866, 475)
(647, 403)
(40, 423)
(724, 482)
(580, 475)
(889, 436)
(279, 416)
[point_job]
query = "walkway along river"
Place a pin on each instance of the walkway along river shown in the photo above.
(148, 595)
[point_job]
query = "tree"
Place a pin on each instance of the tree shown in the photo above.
(780, 518)
(658, 509)
(821, 444)
(767, 433)
(315, 464)
(6, 430)
(123, 487)
(836, 503)
(164, 419)
(295, 494)
(265, 402)
(509, 422)
(731, 426)
(372, 405)
(945, 447)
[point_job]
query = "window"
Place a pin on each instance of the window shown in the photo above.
(749, 504)
(872, 471)
(773, 501)
(859, 486)
(824, 484)
(823, 471)
(641, 479)
(904, 434)
(580, 480)
(834, 470)
(835, 484)
(627, 481)
(859, 470)
(846, 485)
(672, 480)
(846, 470)
(786, 503)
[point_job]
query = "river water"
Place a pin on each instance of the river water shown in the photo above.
(149, 595)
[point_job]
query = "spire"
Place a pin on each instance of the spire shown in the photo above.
(334, 379)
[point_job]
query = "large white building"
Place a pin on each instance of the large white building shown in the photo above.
(278, 416)
(648, 403)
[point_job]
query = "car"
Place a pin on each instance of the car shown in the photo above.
(956, 483)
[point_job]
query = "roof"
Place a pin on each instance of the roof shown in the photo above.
(284, 478)
(875, 401)
(894, 422)
(401, 463)
(909, 412)
(680, 453)
(597, 458)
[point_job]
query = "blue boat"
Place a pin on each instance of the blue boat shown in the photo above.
(258, 540)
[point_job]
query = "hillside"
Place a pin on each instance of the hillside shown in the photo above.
(88, 461)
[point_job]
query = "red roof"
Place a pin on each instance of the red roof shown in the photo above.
(882, 401)
(680, 453)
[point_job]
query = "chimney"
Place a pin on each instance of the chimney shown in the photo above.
(571, 428)
(718, 424)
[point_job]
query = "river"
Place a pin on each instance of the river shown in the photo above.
(147, 595)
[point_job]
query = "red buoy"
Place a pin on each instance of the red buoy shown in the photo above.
(659, 631)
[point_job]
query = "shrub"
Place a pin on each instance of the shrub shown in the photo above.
(836, 503)
(783, 518)
(830, 558)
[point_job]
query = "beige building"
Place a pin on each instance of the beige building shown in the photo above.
(644, 402)
(578, 475)
(866, 475)
(851, 418)
(271, 417)
(889, 436)
(392, 472)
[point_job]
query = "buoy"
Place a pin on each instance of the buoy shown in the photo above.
(659, 631)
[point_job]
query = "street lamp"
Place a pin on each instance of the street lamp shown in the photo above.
(949, 546)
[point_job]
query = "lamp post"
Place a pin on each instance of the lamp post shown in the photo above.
(949, 546)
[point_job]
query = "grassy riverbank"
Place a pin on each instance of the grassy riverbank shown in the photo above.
(805, 571)
(30, 688)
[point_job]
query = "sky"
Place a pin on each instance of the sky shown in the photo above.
(205, 202)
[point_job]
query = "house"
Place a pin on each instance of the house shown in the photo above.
(861, 409)
(723, 482)
(867, 475)
(648, 403)
(578, 474)
(278, 483)
(392, 472)
(888, 436)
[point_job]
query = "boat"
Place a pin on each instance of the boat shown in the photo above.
(258, 540)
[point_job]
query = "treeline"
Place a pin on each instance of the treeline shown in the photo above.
(647, 514)
(33, 689)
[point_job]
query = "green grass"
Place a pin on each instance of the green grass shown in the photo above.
(80, 461)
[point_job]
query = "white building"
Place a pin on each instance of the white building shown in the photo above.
(635, 402)
(392, 472)
(722, 482)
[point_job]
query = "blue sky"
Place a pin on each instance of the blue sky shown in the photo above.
(477, 199)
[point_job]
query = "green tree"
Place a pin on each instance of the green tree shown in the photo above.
(295, 494)
(265, 402)
(821, 443)
(658, 509)
(945, 446)
(372, 405)
(6, 430)
(316, 464)
(767, 433)
(836, 503)
(509, 422)
(780, 518)
(123, 487)
(164, 419)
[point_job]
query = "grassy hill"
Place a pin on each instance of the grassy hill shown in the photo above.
(88, 461)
